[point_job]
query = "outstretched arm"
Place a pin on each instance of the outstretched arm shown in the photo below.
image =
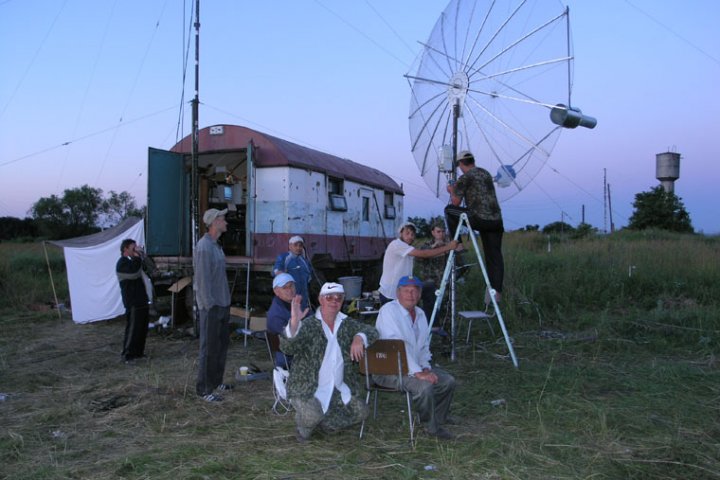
(296, 314)
(434, 252)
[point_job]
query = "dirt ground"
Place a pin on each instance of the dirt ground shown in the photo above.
(67, 395)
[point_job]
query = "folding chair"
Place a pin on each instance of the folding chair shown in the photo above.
(281, 406)
(471, 315)
(386, 357)
(273, 346)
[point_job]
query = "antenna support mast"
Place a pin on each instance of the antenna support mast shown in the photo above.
(195, 214)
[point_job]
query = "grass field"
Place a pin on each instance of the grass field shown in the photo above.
(617, 339)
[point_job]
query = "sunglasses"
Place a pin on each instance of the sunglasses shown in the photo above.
(334, 297)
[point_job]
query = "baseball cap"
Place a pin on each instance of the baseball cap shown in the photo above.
(331, 287)
(296, 239)
(465, 154)
(404, 225)
(410, 280)
(282, 280)
(210, 215)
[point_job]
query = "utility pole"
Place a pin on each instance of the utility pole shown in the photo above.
(612, 225)
(583, 213)
(605, 200)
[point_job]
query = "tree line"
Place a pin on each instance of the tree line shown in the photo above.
(654, 209)
(78, 211)
(84, 210)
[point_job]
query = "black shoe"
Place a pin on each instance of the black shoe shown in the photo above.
(442, 434)
(453, 420)
(127, 359)
(223, 387)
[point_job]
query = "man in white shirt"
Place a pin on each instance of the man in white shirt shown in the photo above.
(324, 386)
(431, 388)
(399, 259)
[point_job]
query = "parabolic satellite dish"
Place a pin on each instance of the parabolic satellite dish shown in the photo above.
(490, 75)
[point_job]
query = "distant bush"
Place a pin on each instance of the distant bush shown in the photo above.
(14, 228)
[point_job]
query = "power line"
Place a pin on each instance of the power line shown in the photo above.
(132, 90)
(402, 40)
(85, 93)
(186, 56)
(32, 61)
(85, 137)
(367, 37)
(666, 27)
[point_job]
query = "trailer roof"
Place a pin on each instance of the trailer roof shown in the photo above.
(276, 152)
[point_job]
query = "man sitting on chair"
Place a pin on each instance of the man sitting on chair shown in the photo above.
(431, 388)
(278, 314)
(324, 385)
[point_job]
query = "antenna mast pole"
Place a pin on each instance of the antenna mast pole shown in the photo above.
(453, 177)
(195, 214)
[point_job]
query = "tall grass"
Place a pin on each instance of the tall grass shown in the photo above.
(561, 279)
(24, 277)
(618, 378)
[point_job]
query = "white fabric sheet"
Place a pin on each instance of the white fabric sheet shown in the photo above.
(94, 288)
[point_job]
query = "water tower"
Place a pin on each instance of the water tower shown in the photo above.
(667, 169)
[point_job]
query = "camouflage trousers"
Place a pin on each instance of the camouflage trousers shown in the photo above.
(309, 414)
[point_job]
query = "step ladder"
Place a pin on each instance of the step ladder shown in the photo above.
(449, 277)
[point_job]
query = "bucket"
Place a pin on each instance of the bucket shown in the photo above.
(352, 286)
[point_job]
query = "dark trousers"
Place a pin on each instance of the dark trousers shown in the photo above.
(214, 341)
(491, 233)
(428, 302)
(136, 328)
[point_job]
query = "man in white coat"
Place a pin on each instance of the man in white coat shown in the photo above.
(431, 388)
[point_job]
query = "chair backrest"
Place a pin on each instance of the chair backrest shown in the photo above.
(385, 357)
(273, 342)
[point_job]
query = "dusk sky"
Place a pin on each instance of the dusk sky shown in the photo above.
(87, 86)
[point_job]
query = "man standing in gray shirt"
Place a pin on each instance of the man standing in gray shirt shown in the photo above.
(213, 300)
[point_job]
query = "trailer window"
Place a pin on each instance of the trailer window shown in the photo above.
(336, 195)
(389, 207)
(366, 209)
(338, 203)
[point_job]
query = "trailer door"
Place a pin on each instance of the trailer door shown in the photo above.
(168, 205)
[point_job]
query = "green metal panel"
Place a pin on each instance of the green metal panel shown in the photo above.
(168, 230)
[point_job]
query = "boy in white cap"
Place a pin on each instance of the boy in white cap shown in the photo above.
(324, 386)
(399, 259)
(295, 263)
(212, 295)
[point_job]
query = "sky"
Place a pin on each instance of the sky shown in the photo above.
(87, 86)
